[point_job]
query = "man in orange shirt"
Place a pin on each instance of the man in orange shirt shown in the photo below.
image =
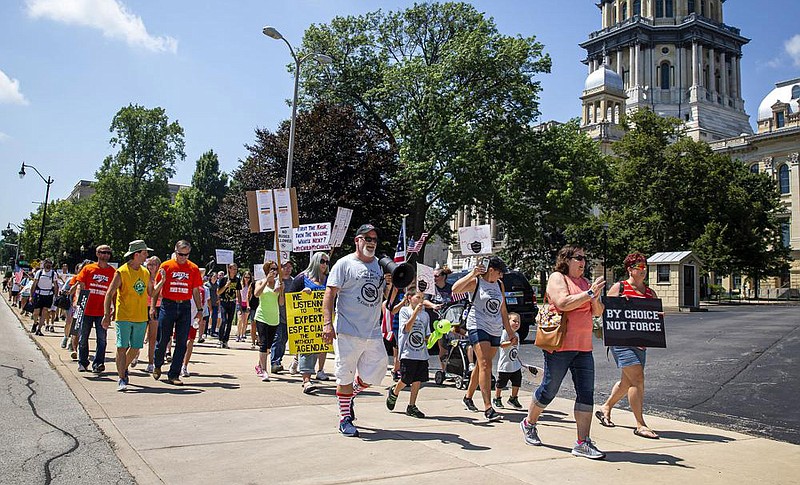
(178, 281)
(94, 277)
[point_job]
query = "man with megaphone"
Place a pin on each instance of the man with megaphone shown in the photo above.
(355, 283)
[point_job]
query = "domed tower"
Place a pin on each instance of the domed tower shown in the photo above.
(781, 107)
(676, 57)
(603, 103)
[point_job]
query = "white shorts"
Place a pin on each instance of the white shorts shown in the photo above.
(367, 356)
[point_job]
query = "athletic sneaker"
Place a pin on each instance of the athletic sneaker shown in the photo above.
(347, 428)
(184, 371)
(529, 433)
(64, 342)
(308, 387)
(491, 415)
(259, 370)
(497, 402)
(588, 450)
(150, 368)
(514, 401)
(264, 377)
(98, 369)
(156, 373)
(121, 385)
(391, 400)
(413, 410)
(469, 404)
(322, 376)
(201, 340)
(82, 368)
(293, 368)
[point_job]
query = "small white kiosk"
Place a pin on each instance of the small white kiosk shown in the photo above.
(675, 276)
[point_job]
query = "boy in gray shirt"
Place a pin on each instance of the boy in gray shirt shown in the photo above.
(414, 331)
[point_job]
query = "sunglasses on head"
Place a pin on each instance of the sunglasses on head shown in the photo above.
(579, 258)
(639, 266)
(369, 239)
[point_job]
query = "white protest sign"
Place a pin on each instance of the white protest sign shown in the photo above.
(340, 225)
(425, 280)
(283, 208)
(285, 240)
(258, 272)
(266, 210)
(224, 256)
(270, 255)
(475, 240)
(312, 237)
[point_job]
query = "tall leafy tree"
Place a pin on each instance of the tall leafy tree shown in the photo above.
(448, 91)
(132, 199)
(196, 207)
(671, 193)
(339, 160)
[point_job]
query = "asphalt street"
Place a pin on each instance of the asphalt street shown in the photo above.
(45, 434)
(731, 367)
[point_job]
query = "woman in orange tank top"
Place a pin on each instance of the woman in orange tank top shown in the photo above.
(630, 359)
(572, 294)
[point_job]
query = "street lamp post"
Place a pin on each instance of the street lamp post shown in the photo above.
(273, 33)
(49, 182)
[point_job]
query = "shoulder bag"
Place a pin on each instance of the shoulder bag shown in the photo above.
(550, 326)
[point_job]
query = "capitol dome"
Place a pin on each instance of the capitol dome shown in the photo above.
(604, 76)
(785, 92)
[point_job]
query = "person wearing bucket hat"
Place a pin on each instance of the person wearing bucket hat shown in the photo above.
(129, 290)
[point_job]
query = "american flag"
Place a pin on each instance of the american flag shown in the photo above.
(400, 252)
(416, 247)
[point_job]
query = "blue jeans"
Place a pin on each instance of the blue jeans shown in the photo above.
(279, 344)
(556, 364)
(212, 324)
(177, 317)
(83, 341)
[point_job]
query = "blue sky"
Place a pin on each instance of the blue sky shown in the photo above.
(67, 66)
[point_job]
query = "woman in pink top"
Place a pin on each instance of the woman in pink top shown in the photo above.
(572, 294)
(244, 311)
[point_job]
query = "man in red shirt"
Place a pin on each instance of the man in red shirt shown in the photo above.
(178, 280)
(95, 277)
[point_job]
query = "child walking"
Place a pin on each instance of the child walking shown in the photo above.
(413, 349)
(509, 367)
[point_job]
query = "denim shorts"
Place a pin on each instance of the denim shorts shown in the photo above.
(478, 335)
(628, 356)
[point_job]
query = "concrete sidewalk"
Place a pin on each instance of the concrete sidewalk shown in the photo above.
(225, 425)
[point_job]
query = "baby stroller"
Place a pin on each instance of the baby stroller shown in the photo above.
(456, 362)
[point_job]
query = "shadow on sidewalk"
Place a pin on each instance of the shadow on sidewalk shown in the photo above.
(645, 458)
(373, 434)
(693, 437)
(135, 389)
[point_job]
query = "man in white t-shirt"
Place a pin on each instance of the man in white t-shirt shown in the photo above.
(45, 286)
(357, 281)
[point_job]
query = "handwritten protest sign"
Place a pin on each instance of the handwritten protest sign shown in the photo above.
(340, 225)
(224, 256)
(425, 280)
(312, 237)
(475, 240)
(304, 323)
(635, 322)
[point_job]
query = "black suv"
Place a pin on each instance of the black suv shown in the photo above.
(520, 298)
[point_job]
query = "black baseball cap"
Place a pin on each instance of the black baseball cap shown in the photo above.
(365, 228)
(498, 264)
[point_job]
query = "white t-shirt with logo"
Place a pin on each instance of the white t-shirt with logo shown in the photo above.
(485, 312)
(413, 345)
(358, 305)
(509, 357)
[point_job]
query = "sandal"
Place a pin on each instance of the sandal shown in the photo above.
(646, 433)
(604, 421)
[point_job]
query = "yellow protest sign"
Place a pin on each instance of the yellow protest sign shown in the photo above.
(304, 323)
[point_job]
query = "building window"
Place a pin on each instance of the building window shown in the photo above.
(659, 8)
(664, 75)
(670, 11)
(795, 92)
(703, 8)
(691, 6)
(754, 168)
(780, 119)
(662, 273)
(637, 7)
(783, 179)
(624, 11)
(786, 235)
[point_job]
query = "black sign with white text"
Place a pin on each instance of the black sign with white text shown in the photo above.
(634, 322)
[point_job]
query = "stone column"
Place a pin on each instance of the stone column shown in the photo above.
(695, 74)
(631, 65)
(619, 62)
(712, 78)
(638, 64)
(700, 59)
(794, 188)
(723, 73)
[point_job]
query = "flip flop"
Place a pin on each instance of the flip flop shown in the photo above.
(644, 434)
(604, 421)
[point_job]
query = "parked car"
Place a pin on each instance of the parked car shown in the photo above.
(520, 298)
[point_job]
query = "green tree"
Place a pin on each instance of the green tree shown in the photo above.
(196, 207)
(132, 199)
(445, 88)
(671, 193)
(339, 160)
(549, 193)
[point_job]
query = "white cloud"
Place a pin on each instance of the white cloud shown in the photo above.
(4, 137)
(9, 91)
(792, 47)
(109, 16)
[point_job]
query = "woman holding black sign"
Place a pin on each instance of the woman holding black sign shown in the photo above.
(630, 359)
(573, 295)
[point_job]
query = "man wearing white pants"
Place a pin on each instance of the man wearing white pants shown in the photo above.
(357, 280)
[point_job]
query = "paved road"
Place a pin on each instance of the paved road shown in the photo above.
(45, 434)
(730, 367)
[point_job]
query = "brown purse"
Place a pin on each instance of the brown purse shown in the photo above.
(550, 326)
